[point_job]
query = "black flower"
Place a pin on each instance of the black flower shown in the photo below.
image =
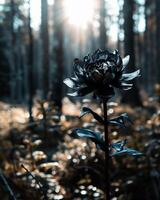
(100, 73)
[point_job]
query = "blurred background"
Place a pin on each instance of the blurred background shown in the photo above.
(39, 40)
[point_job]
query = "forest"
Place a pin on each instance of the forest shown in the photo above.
(79, 99)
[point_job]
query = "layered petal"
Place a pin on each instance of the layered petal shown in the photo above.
(130, 76)
(70, 83)
(125, 86)
(81, 92)
(100, 73)
(125, 61)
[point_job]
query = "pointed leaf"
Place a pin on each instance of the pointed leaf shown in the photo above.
(118, 146)
(128, 151)
(89, 134)
(86, 110)
(94, 136)
(133, 152)
(120, 149)
(120, 121)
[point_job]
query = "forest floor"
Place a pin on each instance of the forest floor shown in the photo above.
(42, 159)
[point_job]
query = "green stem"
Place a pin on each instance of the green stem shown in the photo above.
(107, 185)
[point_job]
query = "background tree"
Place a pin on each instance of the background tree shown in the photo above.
(69, 40)
(30, 66)
(4, 69)
(12, 53)
(129, 49)
(102, 29)
(58, 53)
(45, 46)
(157, 9)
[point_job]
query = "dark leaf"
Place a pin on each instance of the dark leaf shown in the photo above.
(86, 110)
(96, 137)
(120, 121)
(118, 146)
(120, 149)
(128, 151)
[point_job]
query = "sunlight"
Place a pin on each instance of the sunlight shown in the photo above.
(35, 14)
(79, 12)
(50, 2)
(2, 1)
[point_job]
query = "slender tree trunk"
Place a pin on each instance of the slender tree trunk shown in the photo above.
(45, 46)
(19, 67)
(133, 97)
(103, 35)
(25, 75)
(158, 39)
(120, 27)
(30, 67)
(147, 60)
(59, 54)
(12, 56)
(91, 38)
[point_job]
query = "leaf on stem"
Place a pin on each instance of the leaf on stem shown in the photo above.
(96, 137)
(120, 121)
(118, 146)
(120, 149)
(86, 110)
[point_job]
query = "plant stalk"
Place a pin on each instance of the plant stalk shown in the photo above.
(6, 185)
(107, 185)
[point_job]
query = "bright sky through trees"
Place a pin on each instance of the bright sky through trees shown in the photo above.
(80, 12)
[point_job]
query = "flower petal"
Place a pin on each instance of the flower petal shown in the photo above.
(126, 86)
(100, 55)
(69, 82)
(81, 92)
(125, 61)
(74, 94)
(78, 66)
(130, 76)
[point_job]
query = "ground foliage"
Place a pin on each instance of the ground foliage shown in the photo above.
(44, 160)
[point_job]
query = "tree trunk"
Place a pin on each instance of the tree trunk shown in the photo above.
(45, 46)
(103, 36)
(12, 54)
(158, 39)
(133, 97)
(30, 67)
(58, 53)
(147, 51)
(120, 27)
